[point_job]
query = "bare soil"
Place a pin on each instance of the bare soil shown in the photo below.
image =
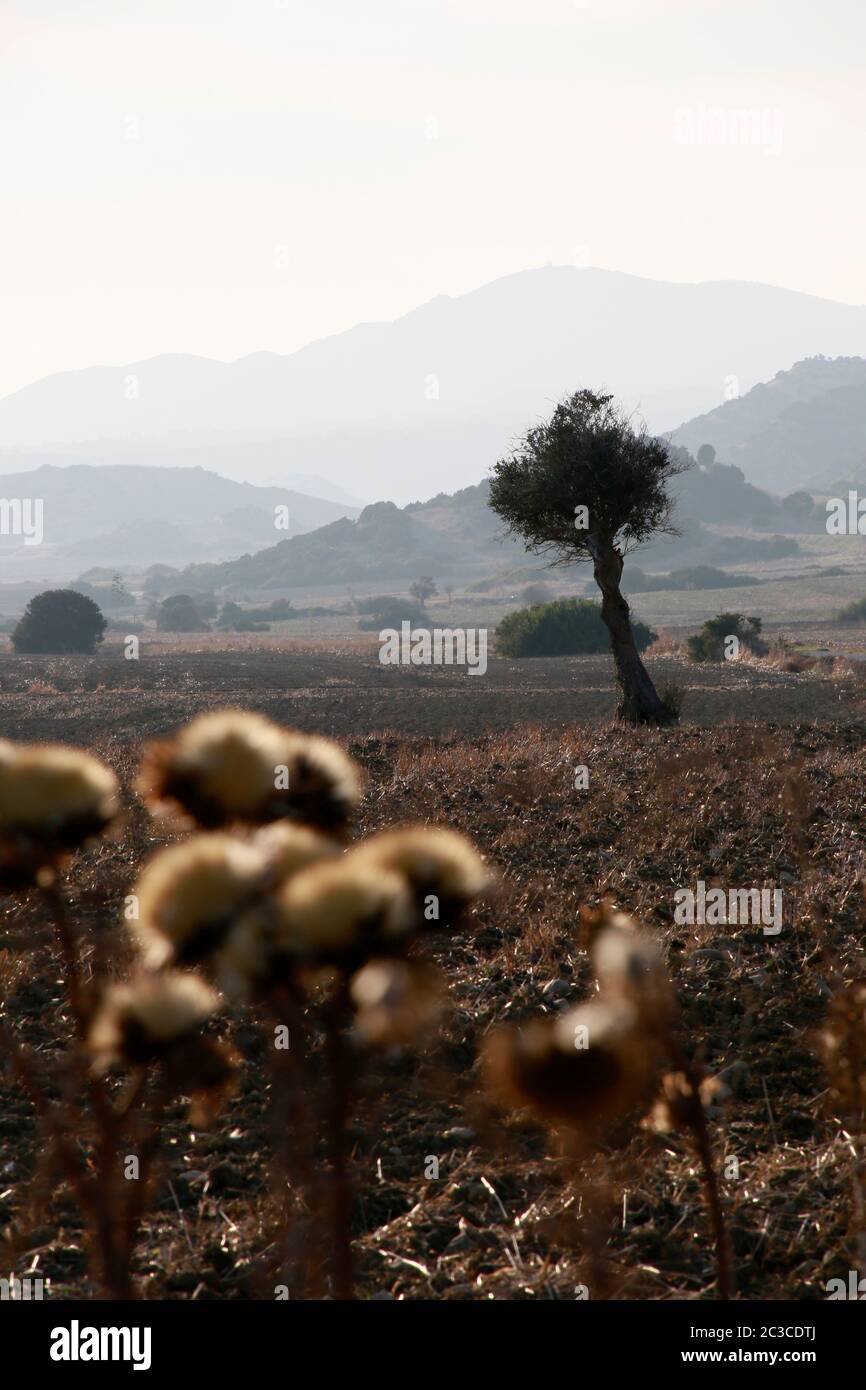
(761, 784)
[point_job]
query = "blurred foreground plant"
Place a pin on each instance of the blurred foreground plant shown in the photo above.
(272, 911)
(597, 1063)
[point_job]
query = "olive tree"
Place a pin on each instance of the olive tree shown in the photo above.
(589, 486)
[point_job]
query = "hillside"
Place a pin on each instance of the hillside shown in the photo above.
(458, 535)
(135, 516)
(806, 427)
(448, 535)
(429, 401)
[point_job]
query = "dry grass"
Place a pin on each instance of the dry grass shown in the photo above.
(737, 805)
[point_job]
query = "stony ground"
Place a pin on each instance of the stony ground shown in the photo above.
(746, 794)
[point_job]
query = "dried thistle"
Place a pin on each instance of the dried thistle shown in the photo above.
(581, 1070)
(629, 967)
(52, 800)
(395, 1001)
(190, 895)
(157, 1020)
(842, 1044)
(232, 767)
(288, 848)
(340, 913)
(620, 1041)
(139, 1022)
(443, 869)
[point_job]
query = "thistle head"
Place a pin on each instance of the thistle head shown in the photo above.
(139, 1022)
(842, 1044)
(224, 767)
(342, 912)
(437, 863)
(52, 800)
(629, 966)
(288, 848)
(325, 784)
(395, 1001)
(233, 766)
(582, 1070)
(157, 1020)
(189, 895)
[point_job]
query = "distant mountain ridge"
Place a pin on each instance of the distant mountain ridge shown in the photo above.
(805, 428)
(428, 402)
(136, 516)
(449, 535)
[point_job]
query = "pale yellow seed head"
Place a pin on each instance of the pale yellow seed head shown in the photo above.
(192, 889)
(233, 757)
(336, 907)
(46, 788)
(433, 859)
(629, 966)
(151, 1011)
(394, 1001)
(288, 848)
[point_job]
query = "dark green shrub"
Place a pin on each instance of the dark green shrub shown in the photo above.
(567, 627)
(709, 643)
(635, 581)
(853, 612)
(59, 621)
(391, 612)
(179, 613)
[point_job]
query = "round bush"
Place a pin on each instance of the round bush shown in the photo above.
(709, 643)
(59, 622)
(568, 627)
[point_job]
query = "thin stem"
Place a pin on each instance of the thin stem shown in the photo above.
(339, 1100)
(113, 1254)
(697, 1122)
(295, 1171)
(53, 898)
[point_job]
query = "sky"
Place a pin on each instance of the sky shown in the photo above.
(223, 177)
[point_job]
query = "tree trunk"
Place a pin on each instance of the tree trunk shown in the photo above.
(639, 701)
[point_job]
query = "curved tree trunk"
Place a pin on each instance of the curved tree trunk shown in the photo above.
(639, 700)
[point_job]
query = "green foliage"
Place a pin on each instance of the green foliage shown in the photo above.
(391, 612)
(536, 593)
(798, 504)
(424, 588)
(709, 643)
(179, 613)
(59, 621)
(587, 455)
(698, 577)
(567, 627)
(236, 619)
(107, 597)
(854, 612)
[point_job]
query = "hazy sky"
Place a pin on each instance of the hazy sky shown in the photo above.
(225, 176)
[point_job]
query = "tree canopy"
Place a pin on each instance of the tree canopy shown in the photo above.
(588, 455)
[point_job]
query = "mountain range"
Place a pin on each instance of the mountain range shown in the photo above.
(135, 516)
(803, 429)
(458, 535)
(407, 409)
